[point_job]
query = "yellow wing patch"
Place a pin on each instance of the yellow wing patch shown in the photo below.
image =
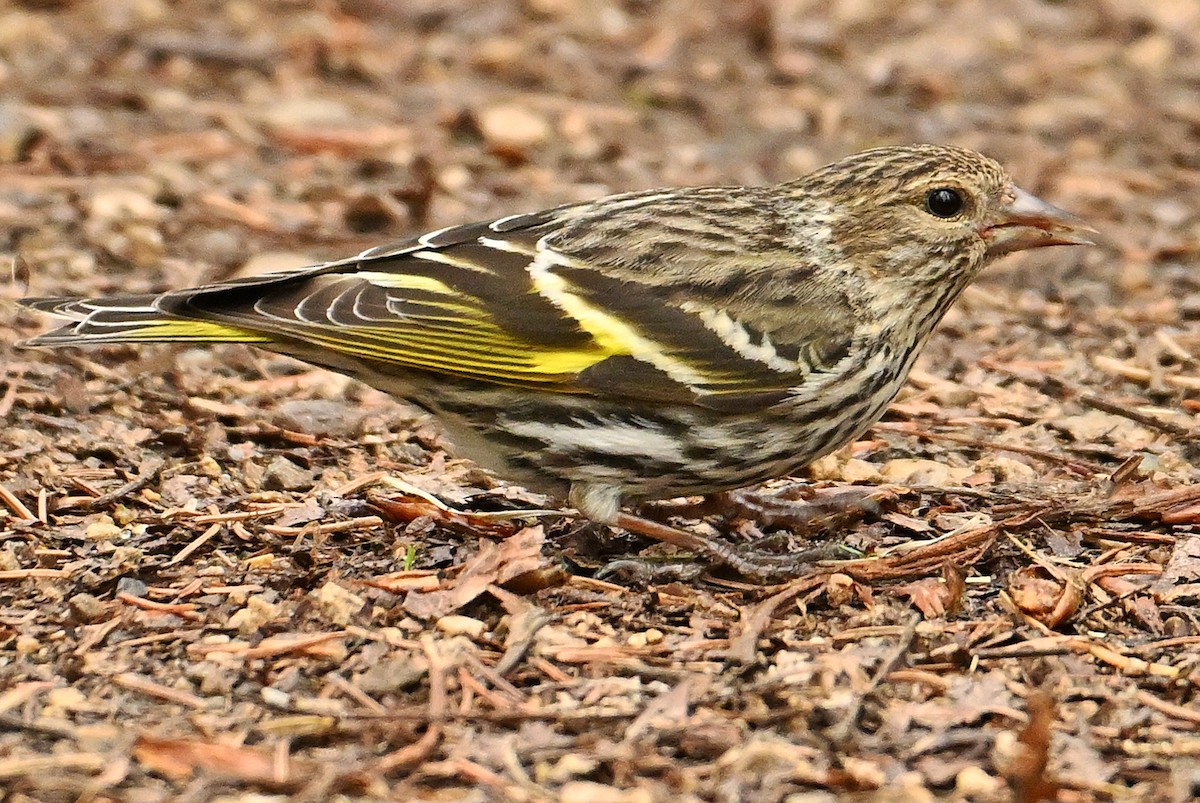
(197, 331)
(483, 354)
(460, 340)
(408, 281)
(612, 335)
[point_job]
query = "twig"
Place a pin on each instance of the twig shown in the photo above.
(1057, 388)
(18, 508)
(196, 543)
(1149, 421)
(1180, 712)
(743, 646)
(842, 730)
(149, 472)
(1075, 465)
(143, 685)
(413, 754)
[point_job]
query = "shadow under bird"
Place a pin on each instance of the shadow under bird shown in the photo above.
(643, 346)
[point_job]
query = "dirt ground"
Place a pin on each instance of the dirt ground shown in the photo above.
(214, 584)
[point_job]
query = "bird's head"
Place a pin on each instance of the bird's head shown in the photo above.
(933, 213)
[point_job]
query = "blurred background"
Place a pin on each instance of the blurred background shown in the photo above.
(146, 143)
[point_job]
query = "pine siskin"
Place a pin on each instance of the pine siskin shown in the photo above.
(642, 346)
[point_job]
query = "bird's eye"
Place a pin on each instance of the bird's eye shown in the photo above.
(944, 202)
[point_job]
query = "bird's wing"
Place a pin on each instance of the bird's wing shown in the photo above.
(524, 300)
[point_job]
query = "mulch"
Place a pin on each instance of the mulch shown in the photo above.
(228, 575)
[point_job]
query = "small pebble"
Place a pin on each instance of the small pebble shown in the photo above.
(457, 625)
(284, 475)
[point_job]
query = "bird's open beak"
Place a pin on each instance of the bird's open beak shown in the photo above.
(1030, 222)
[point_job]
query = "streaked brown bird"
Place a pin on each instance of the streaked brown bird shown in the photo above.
(642, 346)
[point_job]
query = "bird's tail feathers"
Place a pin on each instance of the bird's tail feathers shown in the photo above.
(129, 319)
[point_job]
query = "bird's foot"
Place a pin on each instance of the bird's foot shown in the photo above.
(802, 509)
(645, 571)
(762, 567)
(799, 507)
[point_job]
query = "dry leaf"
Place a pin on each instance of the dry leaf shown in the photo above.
(495, 563)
